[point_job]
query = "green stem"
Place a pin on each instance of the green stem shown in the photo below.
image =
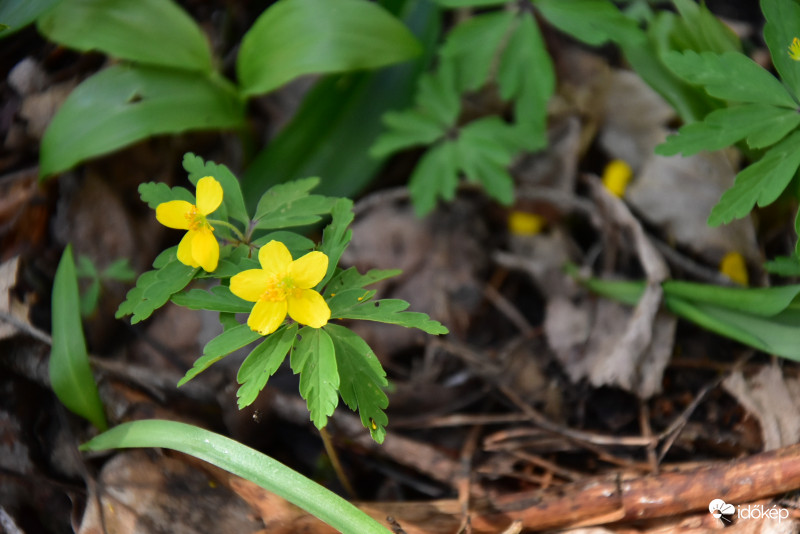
(226, 224)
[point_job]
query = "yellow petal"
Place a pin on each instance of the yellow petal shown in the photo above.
(309, 270)
(524, 223)
(173, 214)
(250, 284)
(734, 267)
(274, 257)
(616, 176)
(185, 250)
(306, 306)
(209, 195)
(205, 249)
(267, 316)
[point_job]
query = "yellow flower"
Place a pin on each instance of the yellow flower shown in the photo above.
(794, 49)
(734, 267)
(616, 176)
(281, 286)
(524, 223)
(199, 247)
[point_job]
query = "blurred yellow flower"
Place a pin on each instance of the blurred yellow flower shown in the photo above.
(734, 267)
(616, 176)
(524, 223)
(199, 247)
(283, 286)
(794, 49)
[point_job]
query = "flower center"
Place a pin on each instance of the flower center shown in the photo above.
(197, 221)
(278, 288)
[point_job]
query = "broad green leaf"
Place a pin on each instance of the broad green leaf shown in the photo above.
(526, 75)
(761, 301)
(362, 379)
(155, 193)
(314, 359)
(473, 47)
(762, 125)
(352, 279)
(297, 37)
(336, 236)
(228, 341)
(123, 104)
(232, 193)
(154, 288)
(262, 363)
(219, 298)
(340, 118)
(592, 21)
(280, 197)
(297, 244)
(16, 14)
(730, 76)
(782, 27)
(699, 30)
(390, 311)
(155, 32)
(470, 3)
(435, 176)
(484, 150)
(784, 266)
(760, 183)
(70, 375)
(242, 461)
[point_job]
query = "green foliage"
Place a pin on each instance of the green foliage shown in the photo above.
(784, 266)
(219, 299)
(230, 340)
(314, 359)
(232, 198)
(297, 37)
(70, 375)
(119, 270)
(262, 363)
(140, 31)
(242, 461)
(16, 14)
(154, 288)
(155, 193)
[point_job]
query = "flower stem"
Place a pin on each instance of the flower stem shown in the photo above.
(226, 224)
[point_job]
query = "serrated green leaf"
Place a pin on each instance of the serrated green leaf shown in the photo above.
(782, 27)
(242, 461)
(90, 298)
(219, 298)
(760, 183)
(406, 129)
(85, 268)
(262, 363)
(784, 266)
(153, 290)
(699, 30)
(336, 236)
(526, 75)
(592, 21)
(436, 175)
(730, 76)
(119, 270)
(16, 14)
(453, 4)
(362, 379)
(155, 32)
(165, 256)
(391, 311)
(762, 125)
(314, 358)
(352, 279)
(293, 38)
(155, 193)
(70, 374)
(473, 47)
(297, 244)
(123, 104)
(484, 150)
(228, 341)
(232, 193)
(280, 196)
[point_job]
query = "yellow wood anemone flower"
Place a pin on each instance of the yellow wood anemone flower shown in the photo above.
(281, 286)
(199, 247)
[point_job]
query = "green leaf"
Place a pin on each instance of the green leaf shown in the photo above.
(154, 288)
(362, 379)
(314, 359)
(228, 341)
(155, 32)
(281, 196)
(155, 193)
(297, 37)
(784, 266)
(262, 363)
(389, 311)
(16, 14)
(352, 279)
(90, 298)
(242, 461)
(336, 236)
(484, 150)
(340, 118)
(760, 183)
(123, 104)
(699, 30)
(297, 244)
(730, 76)
(232, 193)
(70, 375)
(762, 125)
(592, 21)
(452, 4)
(436, 175)
(119, 270)
(219, 299)
(783, 25)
